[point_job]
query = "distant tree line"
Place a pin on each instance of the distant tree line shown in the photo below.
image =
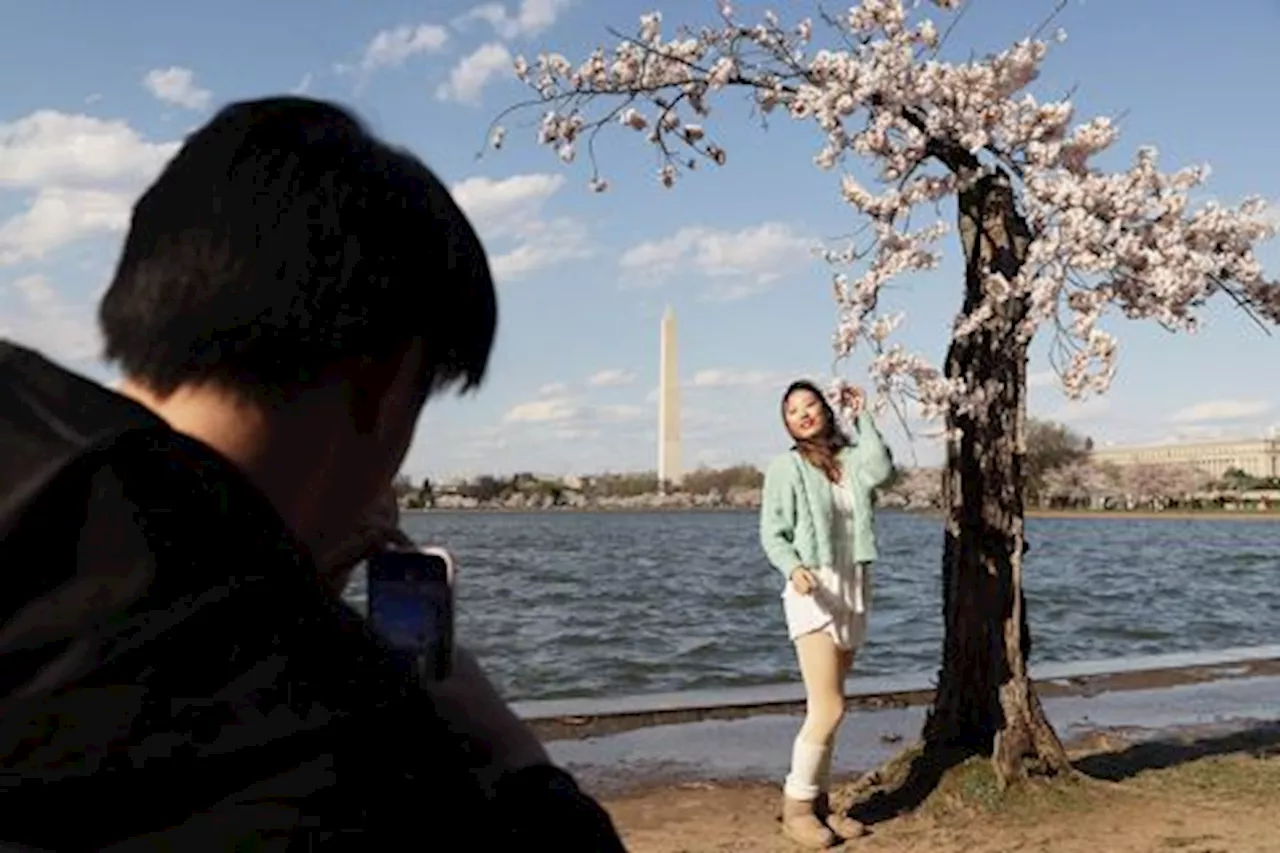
(1059, 473)
(703, 482)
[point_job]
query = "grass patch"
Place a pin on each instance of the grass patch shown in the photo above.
(1150, 780)
(970, 790)
(938, 786)
(1254, 777)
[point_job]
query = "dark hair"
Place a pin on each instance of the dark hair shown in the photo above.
(283, 239)
(822, 451)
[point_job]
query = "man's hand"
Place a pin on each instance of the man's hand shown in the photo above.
(470, 703)
(803, 581)
(467, 700)
(377, 530)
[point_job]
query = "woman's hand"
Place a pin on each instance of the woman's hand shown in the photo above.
(803, 581)
(852, 400)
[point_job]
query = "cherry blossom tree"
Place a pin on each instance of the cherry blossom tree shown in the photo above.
(918, 488)
(1159, 485)
(1048, 240)
(1049, 445)
(1076, 482)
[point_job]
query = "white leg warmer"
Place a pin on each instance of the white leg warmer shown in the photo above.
(807, 760)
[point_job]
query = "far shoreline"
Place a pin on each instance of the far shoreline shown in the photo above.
(1154, 515)
(1087, 514)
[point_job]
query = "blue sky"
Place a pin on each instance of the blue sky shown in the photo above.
(575, 369)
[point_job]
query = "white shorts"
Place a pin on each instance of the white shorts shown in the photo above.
(838, 606)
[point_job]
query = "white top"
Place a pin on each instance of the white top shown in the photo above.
(842, 523)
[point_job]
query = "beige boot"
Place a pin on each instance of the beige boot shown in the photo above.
(840, 823)
(801, 825)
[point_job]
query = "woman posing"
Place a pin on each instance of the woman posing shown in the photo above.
(816, 528)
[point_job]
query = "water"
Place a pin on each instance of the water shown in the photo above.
(563, 605)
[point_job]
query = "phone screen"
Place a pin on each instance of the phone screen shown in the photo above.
(411, 606)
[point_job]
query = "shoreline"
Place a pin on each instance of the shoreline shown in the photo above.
(578, 720)
(1200, 755)
(1200, 787)
(1089, 514)
(1154, 515)
(675, 762)
(1076, 740)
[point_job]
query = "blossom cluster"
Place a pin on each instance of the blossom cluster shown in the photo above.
(1128, 240)
(1083, 480)
(1079, 481)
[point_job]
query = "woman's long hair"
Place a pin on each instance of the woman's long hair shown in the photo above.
(823, 450)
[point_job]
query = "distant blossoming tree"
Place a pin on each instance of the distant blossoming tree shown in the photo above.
(1155, 484)
(1076, 482)
(1047, 239)
(1049, 445)
(918, 488)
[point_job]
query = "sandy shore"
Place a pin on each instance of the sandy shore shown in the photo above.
(1187, 760)
(1196, 794)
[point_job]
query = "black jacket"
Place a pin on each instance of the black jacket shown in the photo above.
(170, 666)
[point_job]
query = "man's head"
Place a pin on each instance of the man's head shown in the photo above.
(291, 267)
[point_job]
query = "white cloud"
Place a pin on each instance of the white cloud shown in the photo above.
(1079, 411)
(59, 216)
(82, 174)
(552, 410)
(391, 48)
(558, 408)
(728, 378)
(501, 207)
(533, 17)
(718, 379)
(35, 314)
(553, 389)
(177, 86)
(1221, 410)
(511, 209)
(620, 412)
(49, 147)
(546, 244)
(1196, 433)
(474, 71)
(611, 378)
(1272, 213)
(304, 85)
(739, 263)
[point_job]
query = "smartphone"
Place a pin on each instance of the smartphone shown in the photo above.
(411, 606)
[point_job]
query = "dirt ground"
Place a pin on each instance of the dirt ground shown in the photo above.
(1190, 794)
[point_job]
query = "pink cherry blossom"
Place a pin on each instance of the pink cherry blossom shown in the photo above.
(1130, 241)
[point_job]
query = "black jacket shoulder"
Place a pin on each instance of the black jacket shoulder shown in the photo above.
(170, 668)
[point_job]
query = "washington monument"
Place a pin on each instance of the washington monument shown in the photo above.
(669, 470)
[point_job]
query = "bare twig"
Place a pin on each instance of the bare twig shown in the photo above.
(1044, 25)
(946, 34)
(1241, 301)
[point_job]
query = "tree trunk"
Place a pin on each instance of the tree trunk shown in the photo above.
(985, 701)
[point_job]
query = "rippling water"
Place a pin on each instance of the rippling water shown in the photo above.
(564, 605)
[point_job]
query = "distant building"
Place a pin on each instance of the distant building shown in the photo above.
(1256, 457)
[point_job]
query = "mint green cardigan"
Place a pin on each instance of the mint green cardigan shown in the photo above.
(796, 509)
